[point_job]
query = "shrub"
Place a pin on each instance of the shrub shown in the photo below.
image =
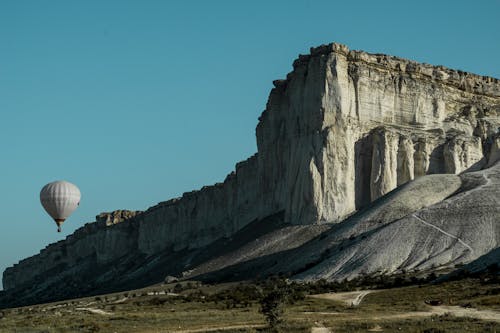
(156, 301)
(276, 292)
(178, 288)
(271, 306)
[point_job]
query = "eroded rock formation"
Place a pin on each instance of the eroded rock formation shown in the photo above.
(342, 130)
(115, 217)
(349, 127)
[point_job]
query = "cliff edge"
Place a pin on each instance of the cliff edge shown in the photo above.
(344, 129)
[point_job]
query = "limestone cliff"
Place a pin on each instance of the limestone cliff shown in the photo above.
(342, 130)
(346, 127)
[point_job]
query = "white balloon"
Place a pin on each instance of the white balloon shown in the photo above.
(60, 199)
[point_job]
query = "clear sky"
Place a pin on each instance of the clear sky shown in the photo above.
(137, 102)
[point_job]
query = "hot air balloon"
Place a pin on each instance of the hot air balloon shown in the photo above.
(60, 199)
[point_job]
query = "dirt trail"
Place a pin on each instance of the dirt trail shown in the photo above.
(441, 310)
(352, 298)
(121, 300)
(320, 330)
(222, 328)
(96, 311)
(443, 232)
(467, 312)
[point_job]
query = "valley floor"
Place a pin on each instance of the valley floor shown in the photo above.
(468, 305)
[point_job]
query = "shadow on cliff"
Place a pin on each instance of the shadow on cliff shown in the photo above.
(90, 278)
(396, 207)
(333, 238)
(292, 262)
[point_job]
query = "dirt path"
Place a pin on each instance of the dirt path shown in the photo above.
(360, 297)
(443, 232)
(467, 312)
(121, 300)
(320, 330)
(441, 310)
(96, 311)
(352, 298)
(355, 298)
(222, 328)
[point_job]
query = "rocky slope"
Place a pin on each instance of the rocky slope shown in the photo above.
(343, 130)
(435, 222)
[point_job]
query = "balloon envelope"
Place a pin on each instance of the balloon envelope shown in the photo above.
(60, 199)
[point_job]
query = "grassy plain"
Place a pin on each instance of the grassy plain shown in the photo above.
(468, 305)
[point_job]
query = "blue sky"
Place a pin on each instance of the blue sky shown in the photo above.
(137, 101)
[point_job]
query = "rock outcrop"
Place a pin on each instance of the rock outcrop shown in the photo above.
(340, 132)
(115, 217)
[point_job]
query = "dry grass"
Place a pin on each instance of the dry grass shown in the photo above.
(194, 310)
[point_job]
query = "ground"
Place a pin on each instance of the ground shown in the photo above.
(470, 305)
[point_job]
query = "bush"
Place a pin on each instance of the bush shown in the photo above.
(272, 306)
(240, 296)
(156, 301)
(196, 296)
(275, 294)
(178, 288)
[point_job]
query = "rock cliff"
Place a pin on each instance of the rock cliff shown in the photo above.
(341, 131)
(346, 127)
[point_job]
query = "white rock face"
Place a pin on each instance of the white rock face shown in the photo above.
(494, 150)
(384, 176)
(353, 126)
(462, 153)
(344, 128)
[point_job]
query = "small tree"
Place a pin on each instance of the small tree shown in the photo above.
(274, 296)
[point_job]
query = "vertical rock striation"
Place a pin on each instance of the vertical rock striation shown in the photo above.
(347, 127)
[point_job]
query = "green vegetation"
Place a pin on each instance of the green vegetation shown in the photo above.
(275, 294)
(273, 305)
